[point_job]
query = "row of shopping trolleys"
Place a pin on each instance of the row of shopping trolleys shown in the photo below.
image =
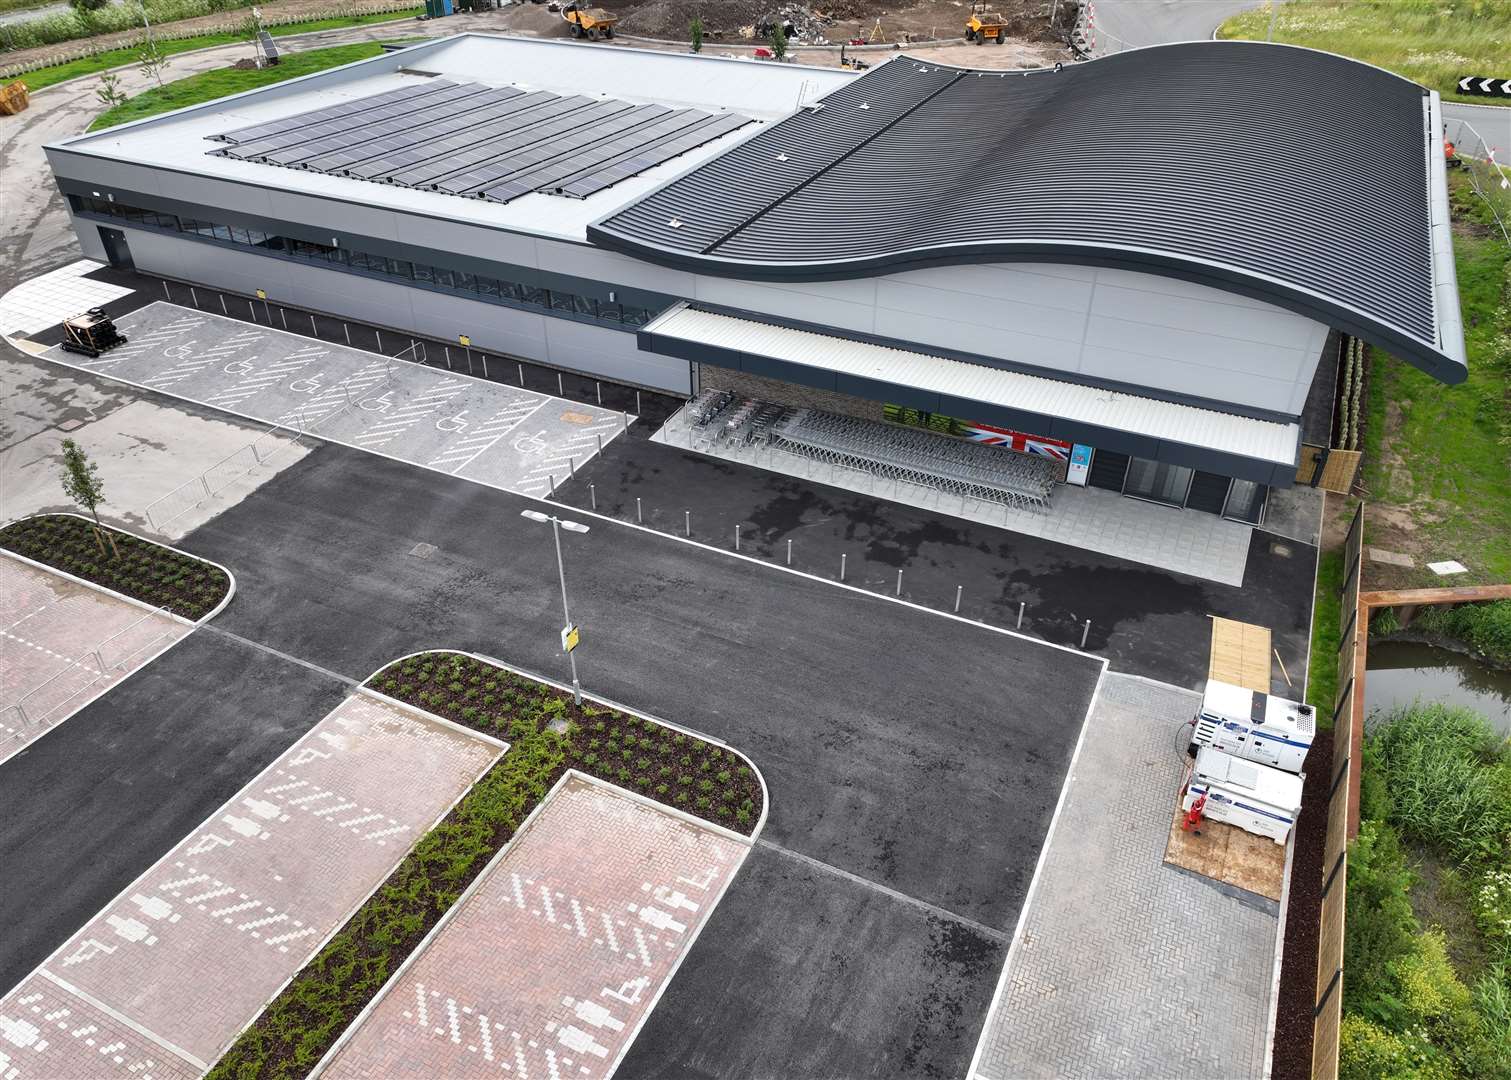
(719, 419)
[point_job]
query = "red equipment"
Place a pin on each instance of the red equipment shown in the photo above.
(1193, 815)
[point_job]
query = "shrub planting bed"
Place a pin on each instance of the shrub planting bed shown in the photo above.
(547, 734)
(134, 567)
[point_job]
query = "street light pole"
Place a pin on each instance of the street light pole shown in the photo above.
(566, 614)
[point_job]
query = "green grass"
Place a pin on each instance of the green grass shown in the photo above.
(209, 85)
(1440, 455)
(1485, 627)
(90, 65)
(1432, 42)
(1322, 667)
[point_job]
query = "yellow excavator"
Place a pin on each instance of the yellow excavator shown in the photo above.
(590, 23)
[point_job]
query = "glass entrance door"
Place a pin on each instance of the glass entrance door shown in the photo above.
(1246, 501)
(1157, 481)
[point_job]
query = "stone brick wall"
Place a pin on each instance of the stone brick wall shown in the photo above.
(787, 393)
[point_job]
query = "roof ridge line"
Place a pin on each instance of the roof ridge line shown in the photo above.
(888, 126)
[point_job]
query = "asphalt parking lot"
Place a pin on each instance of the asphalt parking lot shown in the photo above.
(905, 753)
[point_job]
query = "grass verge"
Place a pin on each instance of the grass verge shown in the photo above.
(547, 734)
(1428, 41)
(131, 566)
(1427, 949)
(90, 65)
(209, 85)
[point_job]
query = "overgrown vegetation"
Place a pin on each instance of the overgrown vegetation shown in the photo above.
(1322, 666)
(547, 734)
(136, 568)
(81, 22)
(1485, 627)
(1437, 458)
(1350, 395)
(1434, 847)
(1433, 42)
(88, 65)
(210, 85)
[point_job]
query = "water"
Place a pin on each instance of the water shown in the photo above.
(1400, 672)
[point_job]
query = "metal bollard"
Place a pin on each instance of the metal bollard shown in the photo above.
(561, 390)
(599, 385)
(687, 517)
(737, 537)
(194, 296)
(251, 311)
(842, 558)
(522, 374)
(1021, 605)
(1085, 633)
(448, 357)
(552, 477)
(485, 365)
(639, 517)
(223, 309)
(789, 551)
(284, 315)
(166, 293)
(571, 466)
(899, 582)
(637, 402)
(348, 330)
(959, 591)
(600, 441)
(314, 330)
(593, 495)
(626, 422)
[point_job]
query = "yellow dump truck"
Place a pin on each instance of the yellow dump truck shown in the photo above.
(590, 23)
(985, 25)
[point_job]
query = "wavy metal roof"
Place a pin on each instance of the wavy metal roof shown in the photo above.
(1298, 177)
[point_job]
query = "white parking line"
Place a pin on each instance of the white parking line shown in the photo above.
(464, 452)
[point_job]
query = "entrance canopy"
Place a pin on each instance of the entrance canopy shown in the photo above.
(1241, 446)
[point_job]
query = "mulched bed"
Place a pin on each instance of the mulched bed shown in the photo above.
(143, 570)
(547, 734)
(1298, 969)
(641, 755)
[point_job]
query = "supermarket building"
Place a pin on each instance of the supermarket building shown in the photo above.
(1139, 266)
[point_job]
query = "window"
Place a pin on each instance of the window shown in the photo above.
(1246, 501)
(1157, 481)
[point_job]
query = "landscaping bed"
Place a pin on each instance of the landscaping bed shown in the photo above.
(547, 734)
(142, 570)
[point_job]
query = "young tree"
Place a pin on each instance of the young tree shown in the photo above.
(109, 91)
(778, 41)
(151, 61)
(696, 30)
(82, 484)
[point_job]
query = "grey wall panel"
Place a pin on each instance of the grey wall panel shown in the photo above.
(812, 305)
(492, 244)
(1198, 380)
(1067, 288)
(612, 354)
(581, 260)
(1051, 355)
(1022, 317)
(90, 243)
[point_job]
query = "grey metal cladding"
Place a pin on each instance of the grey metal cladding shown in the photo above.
(1290, 175)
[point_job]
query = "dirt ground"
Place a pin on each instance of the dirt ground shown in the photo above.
(827, 21)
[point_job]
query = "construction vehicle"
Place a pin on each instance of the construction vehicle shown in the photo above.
(13, 98)
(851, 62)
(590, 23)
(985, 25)
(91, 333)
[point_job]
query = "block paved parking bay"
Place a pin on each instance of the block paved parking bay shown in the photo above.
(63, 644)
(177, 965)
(551, 965)
(497, 434)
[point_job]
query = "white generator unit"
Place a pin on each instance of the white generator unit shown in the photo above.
(1255, 727)
(1254, 797)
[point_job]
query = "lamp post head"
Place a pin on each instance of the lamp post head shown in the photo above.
(535, 515)
(574, 526)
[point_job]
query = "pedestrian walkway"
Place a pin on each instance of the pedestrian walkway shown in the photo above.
(48, 299)
(62, 645)
(484, 430)
(1124, 966)
(177, 965)
(550, 967)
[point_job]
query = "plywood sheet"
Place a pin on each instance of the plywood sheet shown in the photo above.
(1226, 853)
(1240, 654)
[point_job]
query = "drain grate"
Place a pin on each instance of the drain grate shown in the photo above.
(422, 551)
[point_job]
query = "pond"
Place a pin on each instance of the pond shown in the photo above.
(1401, 672)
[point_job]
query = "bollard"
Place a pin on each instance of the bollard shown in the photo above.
(561, 391)
(284, 315)
(842, 558)
(166, 293)
(485, 365)
(195, 296)
(599, 436)
(251, 311)
(1085, 633)
(571, 466)
(348, 330)
(469, 359)
(626, 423)
(522, 374)
(639, 517)
(448, 357)
(789, 551)
(223, 309)
(314, 330)
(899, 582)
(593, 495)
(637, 402)
(687, 516)
(737, 537)
(1021, 605)
(959, 591)
(380, 339)
(599, 385)
(552, 478)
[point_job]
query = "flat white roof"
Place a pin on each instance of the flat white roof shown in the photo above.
(767, 92)
(1260, 439)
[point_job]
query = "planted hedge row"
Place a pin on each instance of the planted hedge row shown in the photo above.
(136, 568)
(547, 734)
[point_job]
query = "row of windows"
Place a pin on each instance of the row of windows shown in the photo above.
(474, 286)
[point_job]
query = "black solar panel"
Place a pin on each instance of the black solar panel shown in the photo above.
(494, 143)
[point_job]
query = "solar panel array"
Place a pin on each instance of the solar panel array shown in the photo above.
(494, 143)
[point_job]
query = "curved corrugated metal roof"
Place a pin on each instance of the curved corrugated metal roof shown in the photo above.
(1298, 177)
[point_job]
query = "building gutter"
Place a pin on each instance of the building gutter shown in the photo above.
(1445, 284)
